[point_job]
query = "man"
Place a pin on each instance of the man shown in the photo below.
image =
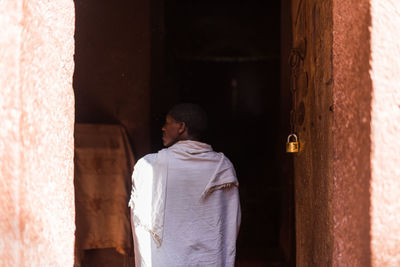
(185, 202)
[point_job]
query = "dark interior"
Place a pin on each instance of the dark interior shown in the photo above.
(224, 55)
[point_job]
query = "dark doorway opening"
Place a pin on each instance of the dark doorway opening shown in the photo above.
(226, 56)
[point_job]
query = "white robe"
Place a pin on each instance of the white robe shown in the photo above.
(185, 207)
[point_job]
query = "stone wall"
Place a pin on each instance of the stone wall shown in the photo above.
(37, 221)
(351, 131)
(385, 133)
(347, 117)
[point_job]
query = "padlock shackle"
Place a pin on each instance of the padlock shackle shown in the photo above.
(290, 135)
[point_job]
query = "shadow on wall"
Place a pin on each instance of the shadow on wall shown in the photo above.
(112, 66)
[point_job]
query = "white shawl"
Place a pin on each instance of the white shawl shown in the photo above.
(148, 194)
(187, 174)
(150, 177)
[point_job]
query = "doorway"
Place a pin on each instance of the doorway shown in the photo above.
(133, 57)
(226, 56)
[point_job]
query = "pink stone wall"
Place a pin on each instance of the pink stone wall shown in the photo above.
(366, 207)
(351, 133)
(36, 134)
(347, 176)
(385, 133)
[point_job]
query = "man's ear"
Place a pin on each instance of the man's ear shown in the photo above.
(182, 127)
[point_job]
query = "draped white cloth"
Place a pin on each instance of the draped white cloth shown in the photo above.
(185, 207)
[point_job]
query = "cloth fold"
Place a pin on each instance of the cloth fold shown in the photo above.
(149, 190)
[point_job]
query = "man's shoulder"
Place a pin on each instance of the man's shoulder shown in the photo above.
(219, 159)
(225, 159)
(147, 159)
(151, 157)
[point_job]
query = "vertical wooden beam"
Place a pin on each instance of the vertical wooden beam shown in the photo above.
(312, 85)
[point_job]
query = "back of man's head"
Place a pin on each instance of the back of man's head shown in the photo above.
(194, 117)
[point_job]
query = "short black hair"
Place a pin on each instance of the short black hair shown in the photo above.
(194, 117)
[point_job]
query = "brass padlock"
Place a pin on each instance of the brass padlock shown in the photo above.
(292, 146)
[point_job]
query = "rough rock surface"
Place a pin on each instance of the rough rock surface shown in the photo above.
(385, 133)
(36, 134)
(347, 178)
(351, 133)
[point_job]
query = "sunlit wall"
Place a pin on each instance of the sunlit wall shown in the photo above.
(385, 132)
(36, 134)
